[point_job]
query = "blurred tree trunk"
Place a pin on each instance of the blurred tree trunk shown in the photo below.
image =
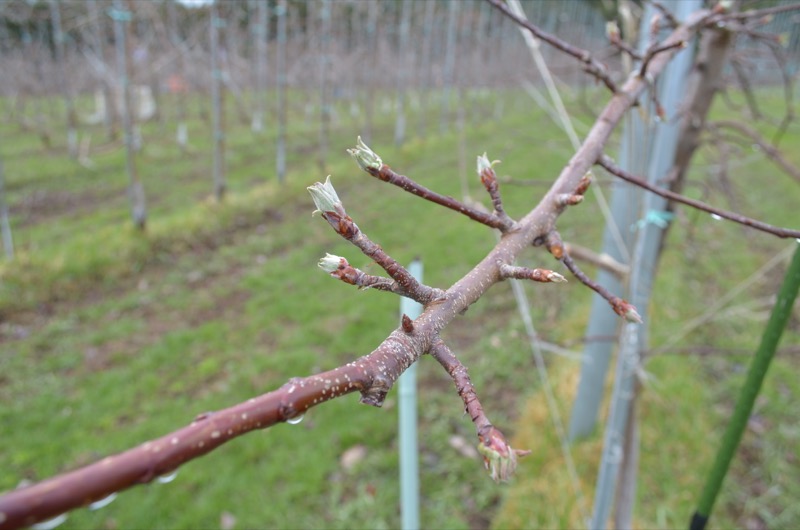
(426, 61)
(324, 58)
(449, 64)
(179, 86)
(61, 68)
(370, 79)
(280, 156)
(402, 73)
(109, 115)
(121, 17)
(217, 105)
(262, 37)
(5, 224)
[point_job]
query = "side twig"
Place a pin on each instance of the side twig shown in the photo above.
(620, 306)
(770, 150)
(611, 167)
(332, 210)
(340, 268)
(498, 455)
(372, 164)
(489, 180)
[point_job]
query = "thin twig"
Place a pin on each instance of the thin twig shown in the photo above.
(620, 306)
(614, 169)
(593, 67)
(332, 210)
(671, 20)
(387, 174)
(753, 13)
(500, 458)
(339, 268)
(489, 180)
(652, 52)
(771, 151)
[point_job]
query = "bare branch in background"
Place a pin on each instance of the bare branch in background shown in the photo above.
(772, 152)
(591, 65)
(614, 169)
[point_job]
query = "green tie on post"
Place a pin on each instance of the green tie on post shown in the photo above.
(781, 312)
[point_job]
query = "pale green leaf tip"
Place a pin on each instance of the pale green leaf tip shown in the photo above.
(364, 156)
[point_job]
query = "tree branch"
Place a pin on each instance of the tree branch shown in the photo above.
(620, 306)
(591, 65)
(332, 210)
(770, 150)
(371, 375)
(614, 169)
(498, 455)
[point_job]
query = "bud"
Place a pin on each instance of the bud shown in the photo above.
(484, 164)
(331, 263)
(626, 310)
(325, 198)
(568, 199)
(556, 277)
(365, 157)
(498, 456)
(612, 31)
(584, 183)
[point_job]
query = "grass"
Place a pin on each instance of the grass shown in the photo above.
(110, 337)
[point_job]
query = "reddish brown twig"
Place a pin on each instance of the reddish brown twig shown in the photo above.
(614, 169)
(386, 174)
(616, 40)
(332, 210)
(489, 180)
(372, 375)
(591, 65)
(770, 150)
(620, 306)
(340, 268)
(498, 455)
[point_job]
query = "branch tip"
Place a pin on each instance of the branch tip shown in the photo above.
(499, 457)
(332, 263)
(365, 157)
(325, 198)
(484, 164)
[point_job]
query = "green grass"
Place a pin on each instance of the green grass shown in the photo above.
(110, 337)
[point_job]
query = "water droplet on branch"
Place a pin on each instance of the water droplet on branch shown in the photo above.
(295, 420)
(102, 503)
(166, 479)
(50, 523)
